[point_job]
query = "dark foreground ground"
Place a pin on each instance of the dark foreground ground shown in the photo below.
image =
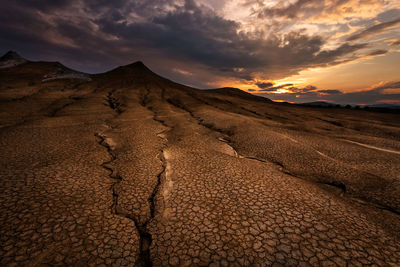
(132, 169)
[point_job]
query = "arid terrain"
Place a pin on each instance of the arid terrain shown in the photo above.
(127, 168)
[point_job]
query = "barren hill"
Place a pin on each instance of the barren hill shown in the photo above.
(11, 59)
(129, 168)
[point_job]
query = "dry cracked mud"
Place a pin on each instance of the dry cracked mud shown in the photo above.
(131, 169)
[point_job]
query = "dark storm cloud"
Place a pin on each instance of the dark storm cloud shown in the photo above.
(303, 90)
(330, 92)
(374, 30)
(274, 88)
(309, 88)
(264, 85)
(293, 89)
(23, 29)
(378, 52)
(96, 35)
(43, 5)
(326, 58)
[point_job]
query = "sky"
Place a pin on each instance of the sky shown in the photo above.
(341, 51)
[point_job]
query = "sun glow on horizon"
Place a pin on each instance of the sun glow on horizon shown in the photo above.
(349, 77)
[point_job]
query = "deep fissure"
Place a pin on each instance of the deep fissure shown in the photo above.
(113, 102)
(145, 236)
(142, 228)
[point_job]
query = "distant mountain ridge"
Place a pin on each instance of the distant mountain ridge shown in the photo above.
(11, 55)
(384, 105)
(328, 104)
(11, 59)
(319, 103)
(136, 70)
(55, 70)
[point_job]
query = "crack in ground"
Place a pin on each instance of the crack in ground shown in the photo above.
(338, 185)
(176, 103)
(375, 205)
(73, 99)
(221, 131)
(144, 100)
(54, 112)
(145, 237)
(226, 138)
(113, 102)
(334, 184)
(142, 228)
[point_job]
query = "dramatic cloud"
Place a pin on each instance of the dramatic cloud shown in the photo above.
(265, 85)
(389, 85)
(374, 30)
(292, 10)
(315, 8)
(186, 32)
(274, 88)
(329, 92)
(378, 52)
(288, 88)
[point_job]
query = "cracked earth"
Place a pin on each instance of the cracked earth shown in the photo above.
(131, 169)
